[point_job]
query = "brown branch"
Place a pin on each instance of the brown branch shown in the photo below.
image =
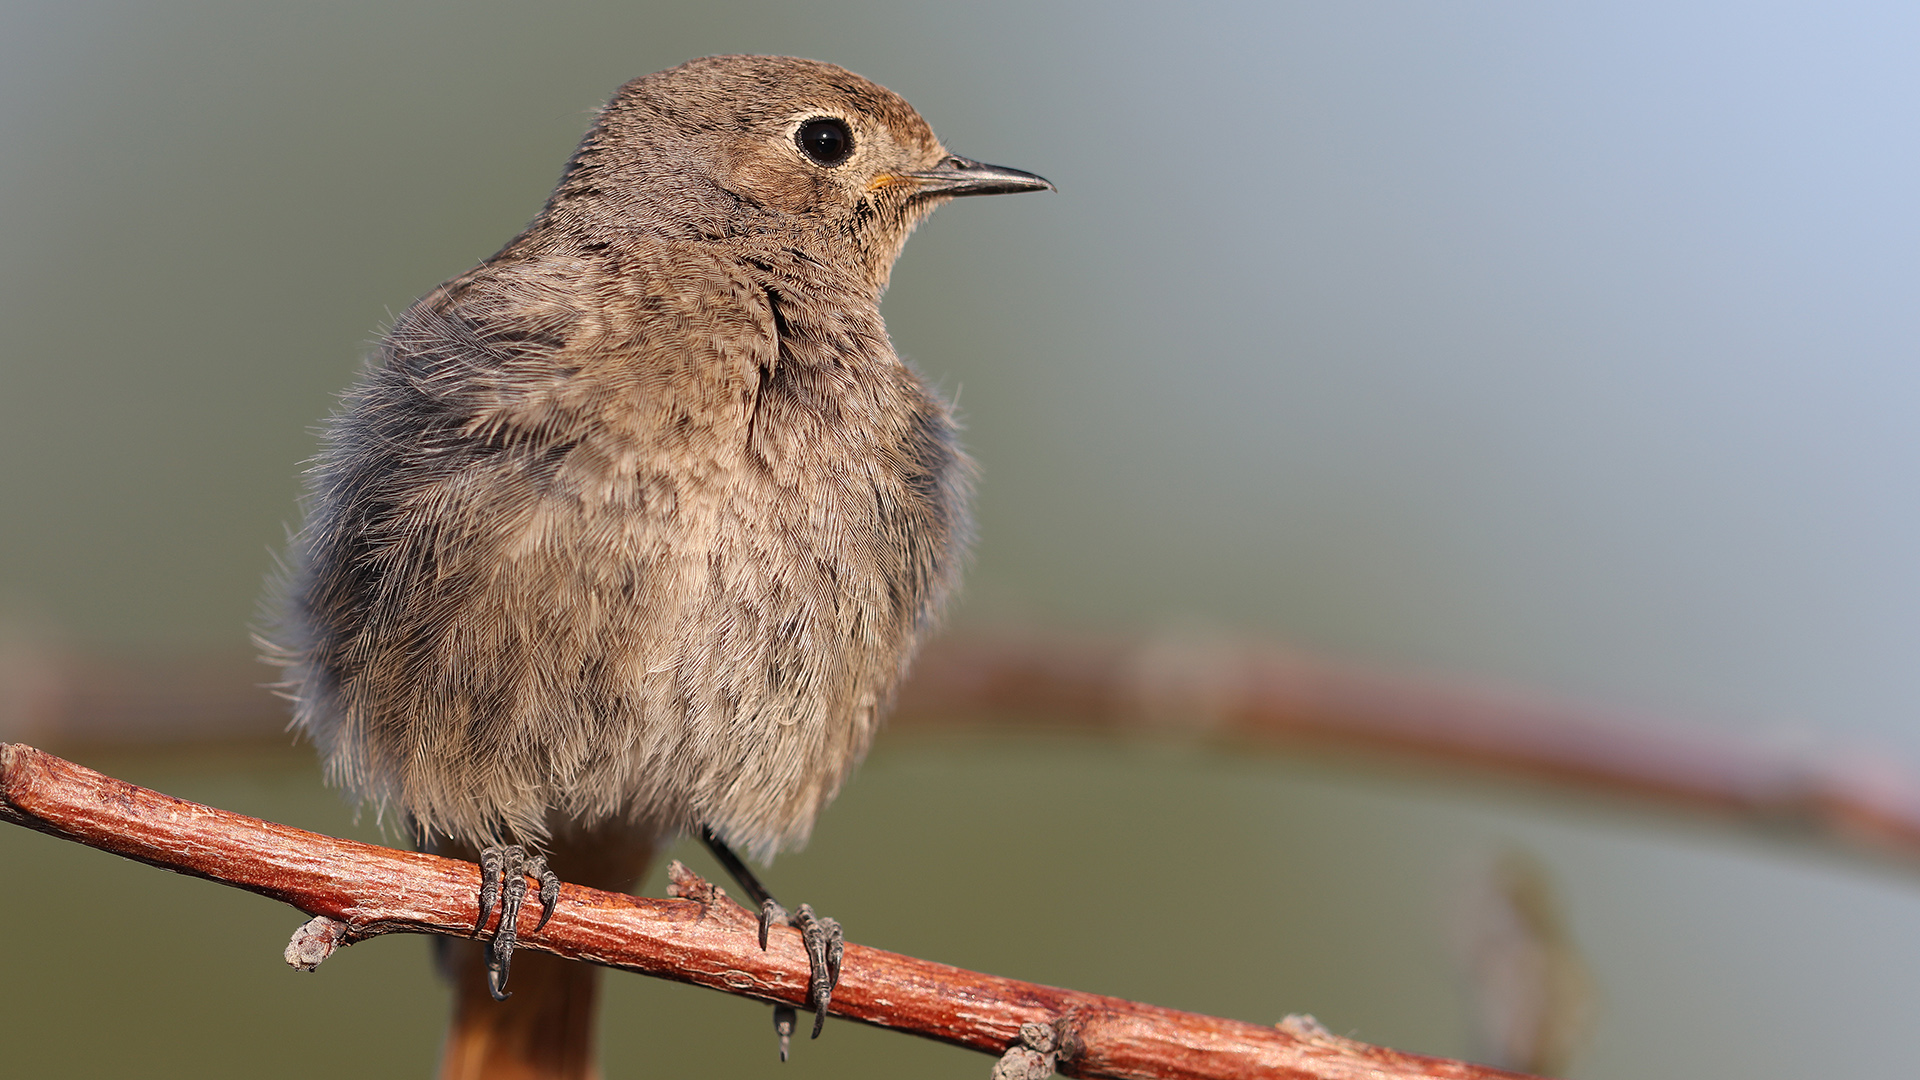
(702, 938)
(1271, 696)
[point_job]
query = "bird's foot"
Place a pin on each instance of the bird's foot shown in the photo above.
(503, 878)
(825, 945)
(820, 935)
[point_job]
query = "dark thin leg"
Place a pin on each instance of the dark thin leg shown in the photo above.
(737, 869)
(820, 934)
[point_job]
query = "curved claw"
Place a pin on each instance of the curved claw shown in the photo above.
(497, 976)
(836, 950)
(549, 888)
(770, 912)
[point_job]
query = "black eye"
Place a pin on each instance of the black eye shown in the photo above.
(825, 140)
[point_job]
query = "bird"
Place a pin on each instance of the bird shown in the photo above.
(632, 530)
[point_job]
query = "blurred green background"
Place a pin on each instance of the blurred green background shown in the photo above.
(1573, 349)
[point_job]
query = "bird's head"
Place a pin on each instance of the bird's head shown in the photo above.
(793, 152)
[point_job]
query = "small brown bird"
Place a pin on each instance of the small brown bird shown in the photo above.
(633, 529)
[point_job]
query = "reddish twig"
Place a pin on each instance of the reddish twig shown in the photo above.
(1272, 696)
(357, 891)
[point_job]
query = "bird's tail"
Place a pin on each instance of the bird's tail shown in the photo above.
(545, 1030)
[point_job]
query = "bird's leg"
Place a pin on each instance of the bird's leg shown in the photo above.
(820, 934)
(503, 877)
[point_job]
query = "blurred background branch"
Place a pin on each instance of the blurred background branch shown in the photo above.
(1252, 694)
(1181, 688)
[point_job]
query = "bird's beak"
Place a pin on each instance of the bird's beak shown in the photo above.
(958, 176)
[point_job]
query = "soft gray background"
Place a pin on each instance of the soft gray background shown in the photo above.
(1573, 348)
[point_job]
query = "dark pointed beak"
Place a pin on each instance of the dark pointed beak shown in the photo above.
(959, 176)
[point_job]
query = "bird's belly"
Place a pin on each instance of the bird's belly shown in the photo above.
(715, 654)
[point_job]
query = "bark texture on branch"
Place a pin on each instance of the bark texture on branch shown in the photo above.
(701, 938)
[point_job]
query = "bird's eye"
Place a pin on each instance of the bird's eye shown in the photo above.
(825, 140)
